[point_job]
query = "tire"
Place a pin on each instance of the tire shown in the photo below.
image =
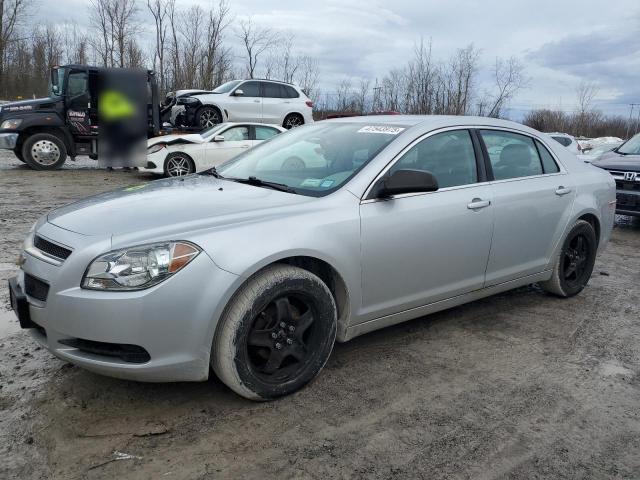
(207, 117)
(178, 164)
(44, 151)
(575, 261)
(276, 333)
(292, 120)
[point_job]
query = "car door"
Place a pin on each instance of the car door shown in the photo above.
(425, 247)
(245, 103)
(532, 202)
(234, 141)
(274, 103)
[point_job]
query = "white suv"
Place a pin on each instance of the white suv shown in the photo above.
(264, 101)
(567, 141)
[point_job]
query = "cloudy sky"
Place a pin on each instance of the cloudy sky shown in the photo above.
(561, 42)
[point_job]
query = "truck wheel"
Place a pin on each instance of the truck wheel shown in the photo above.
(207, 117)
(44, 151)
(276, 334)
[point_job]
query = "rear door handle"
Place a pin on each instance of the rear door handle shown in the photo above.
(478, 203)
(257, 101)
(562, 191)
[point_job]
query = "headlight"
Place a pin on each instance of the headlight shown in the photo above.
(140, 267)
(188, 100)
(11, 124)
(156, 148)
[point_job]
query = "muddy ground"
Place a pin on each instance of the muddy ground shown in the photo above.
(521, 385)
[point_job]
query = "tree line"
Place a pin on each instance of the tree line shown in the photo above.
(192, 48)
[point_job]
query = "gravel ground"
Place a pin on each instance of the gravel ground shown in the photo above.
(520, 385)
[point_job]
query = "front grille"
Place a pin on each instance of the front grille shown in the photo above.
(51, 248)
(36, 288)
(128, 353)
(622, 185)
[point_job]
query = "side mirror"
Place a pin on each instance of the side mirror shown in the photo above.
(238, 93)
(406, 181)
(218, 138)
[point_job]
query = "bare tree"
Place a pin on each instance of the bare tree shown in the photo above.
(307, 76)
(159, 12)
(363, 95)
(256, 41)
(12, 12)
(115, 22)
(509, 78)
(214, 54)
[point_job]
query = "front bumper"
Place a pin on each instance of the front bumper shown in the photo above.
(173, 322)
(8, 140)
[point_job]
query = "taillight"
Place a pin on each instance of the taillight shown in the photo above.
(309, 103)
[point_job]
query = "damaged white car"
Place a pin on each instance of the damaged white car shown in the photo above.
(183, 154)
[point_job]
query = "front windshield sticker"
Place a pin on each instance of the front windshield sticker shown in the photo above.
(381, 129)
(326, 183)
(311, 182)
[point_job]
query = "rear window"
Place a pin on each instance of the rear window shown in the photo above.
(512, 155)
(290, 91)
(564, 141)
(273, 90)
(549, 165)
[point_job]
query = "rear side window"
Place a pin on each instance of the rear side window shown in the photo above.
(449, 156)
(236, 134)
(273, 90)
(564, 141)
(264, 133)
(290, 92)
(511, 155)
(549, 165)
(250, 89)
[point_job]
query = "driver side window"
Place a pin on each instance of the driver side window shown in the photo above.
(449, 156)
(236, 134)
(77, 83)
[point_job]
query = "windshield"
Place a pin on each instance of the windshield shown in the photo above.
(607, 147)
(55, 82)
(631, 147)
(226, 87)
(313, 160)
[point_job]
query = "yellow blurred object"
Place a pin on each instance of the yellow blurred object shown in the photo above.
(113, 105)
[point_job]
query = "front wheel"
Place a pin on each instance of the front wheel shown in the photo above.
(276, 334)
(178, 164)
(208, 117)
(575, 262)
(44, 151)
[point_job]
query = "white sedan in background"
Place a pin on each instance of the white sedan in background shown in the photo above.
(182, 154)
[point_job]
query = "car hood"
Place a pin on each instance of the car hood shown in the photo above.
(192, 202)
(26, 106)
(176, 138)
(617, 161)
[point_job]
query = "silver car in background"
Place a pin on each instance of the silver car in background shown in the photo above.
(256, 268)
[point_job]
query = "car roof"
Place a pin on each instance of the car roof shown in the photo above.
(434, 121)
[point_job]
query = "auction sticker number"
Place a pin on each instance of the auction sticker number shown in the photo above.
(381, 129)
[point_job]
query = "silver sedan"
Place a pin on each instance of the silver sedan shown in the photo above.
(255, 269)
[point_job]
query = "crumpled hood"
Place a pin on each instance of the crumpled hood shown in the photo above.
(176, 138)
(617, 161)
(195, 201)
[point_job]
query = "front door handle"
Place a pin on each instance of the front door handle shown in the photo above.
(256, 101)
(478, 203)
(562, 190)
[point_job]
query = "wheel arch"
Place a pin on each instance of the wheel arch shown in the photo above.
(594, 221)
(323, 270)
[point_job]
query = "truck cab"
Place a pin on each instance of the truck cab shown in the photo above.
(43, 132)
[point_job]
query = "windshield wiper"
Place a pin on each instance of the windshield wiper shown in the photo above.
(255, 181)
(212, 171)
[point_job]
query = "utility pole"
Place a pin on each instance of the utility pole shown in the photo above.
(633, 105)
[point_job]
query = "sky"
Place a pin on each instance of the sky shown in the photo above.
(560, 42)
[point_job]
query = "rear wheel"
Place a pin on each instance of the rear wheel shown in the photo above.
(44, 151)
(575, 262)
(293, 120)
(178, 164)
(276, 334)
(207, 117)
